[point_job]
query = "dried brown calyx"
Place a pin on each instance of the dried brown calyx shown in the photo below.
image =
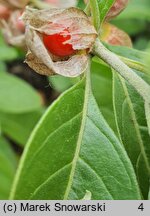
(13, 29)
(62, 3)
(14, 4)
(114, 36)
(81, 33)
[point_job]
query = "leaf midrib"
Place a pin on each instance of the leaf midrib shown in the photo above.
(81, 133)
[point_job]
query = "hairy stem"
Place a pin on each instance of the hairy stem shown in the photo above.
(128, 74)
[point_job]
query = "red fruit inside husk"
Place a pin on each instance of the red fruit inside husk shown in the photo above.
(56, 43)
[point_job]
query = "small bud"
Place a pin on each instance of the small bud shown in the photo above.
(58, 40)
(114, 36)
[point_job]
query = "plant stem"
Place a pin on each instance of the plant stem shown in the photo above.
(128, 74)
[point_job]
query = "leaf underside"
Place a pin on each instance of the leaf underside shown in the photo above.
(132, 127)
(73, 150)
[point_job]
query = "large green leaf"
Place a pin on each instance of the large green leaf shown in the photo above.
(16, 96)
(101, 76)
(18, 127)
(7, 168)
(132, 127)
(73, 150)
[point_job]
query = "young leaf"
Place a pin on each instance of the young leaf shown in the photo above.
(7, 168)
(16, 96)
(95, 14)
(104, 7)
(73, 150)
(132, 127)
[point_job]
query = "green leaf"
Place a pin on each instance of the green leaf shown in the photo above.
(132, 57)
(61, 83)
(136, 10)
(7, 168)
(102, 90)
(18, 127)
(149, 195)
(16, 96)
(73, 150)
(95, 13)
(147, 113)
(7, 53)
(132, 127)
(147, 104)
(128, 52)
(87, 195)
(104, 7)
(2, 67)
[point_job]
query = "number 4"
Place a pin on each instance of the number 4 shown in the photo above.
(141, 207)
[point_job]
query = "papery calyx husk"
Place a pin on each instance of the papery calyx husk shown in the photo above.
(54, 21)
(114, 36)
(12, 34)
(62, 3)
(14, 4)
(117, 8)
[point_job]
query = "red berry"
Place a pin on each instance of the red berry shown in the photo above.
(55, 43)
